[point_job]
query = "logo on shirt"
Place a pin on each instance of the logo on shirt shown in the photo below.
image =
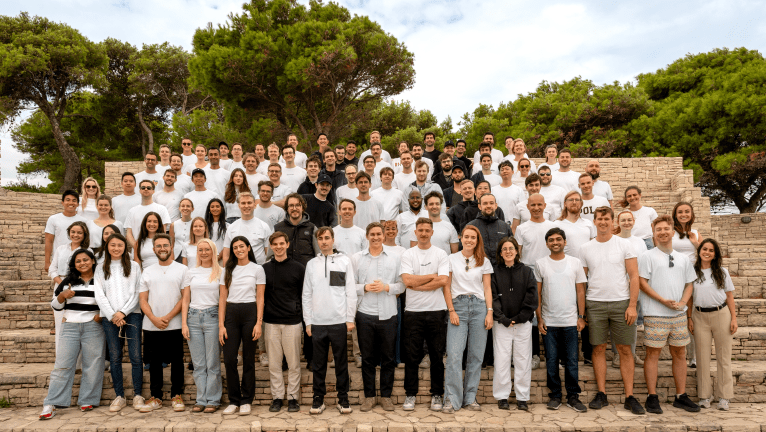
(426, 264)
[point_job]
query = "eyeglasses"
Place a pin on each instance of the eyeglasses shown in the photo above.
(147, 188)
(670, 261)
(573, 200)
(91, 187)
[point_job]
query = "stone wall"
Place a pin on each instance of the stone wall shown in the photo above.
(744, 246)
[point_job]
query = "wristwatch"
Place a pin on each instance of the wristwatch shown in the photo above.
(489, 309)
(581, 316)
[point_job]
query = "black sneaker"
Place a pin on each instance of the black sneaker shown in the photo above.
(293, 406)
(522, 405)
(632, 405)
(574, 403)
(276, 405)
(599, 401)
(317, 407)
(685, 403)
(587, 362)
(343, 406)
(652, 404)
(503, 404)
(554, 403)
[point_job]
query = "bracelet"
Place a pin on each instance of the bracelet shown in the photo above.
(451, 310)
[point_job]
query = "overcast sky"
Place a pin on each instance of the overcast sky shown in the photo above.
(466, 52)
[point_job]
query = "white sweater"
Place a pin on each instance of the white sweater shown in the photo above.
(329, 290)
(118, 293)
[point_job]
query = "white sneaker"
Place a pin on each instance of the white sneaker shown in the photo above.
(264, 359)
(436, 403)
(358, 360)
(426, 363)
(117, 404)
(231, 409)
(704, 403)
(535, 362)
(723, 404)
(151, 405)
(49, 411)
(244, 409)
(409, 403)
(138, 402)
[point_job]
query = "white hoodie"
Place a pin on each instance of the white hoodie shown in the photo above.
(329, 290)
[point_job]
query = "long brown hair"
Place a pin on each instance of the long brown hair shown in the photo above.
(124, 259)
(715, 265)
(108, 199)
(231, 190)
(683, 230)
(478, 251)
(624, 201)
(193, 240)
(144, 234)
(85, 243)
(564, 211)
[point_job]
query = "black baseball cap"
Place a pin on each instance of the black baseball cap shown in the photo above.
(458, 165)
(449, 143)
(323, 178)
(199, 171)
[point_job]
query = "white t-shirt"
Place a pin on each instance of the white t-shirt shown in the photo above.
(204, 292)
(184, 184)
(392, 200)
(148, 257)
(684, 246)
(607, 275)
(555, 167)
(497, 157)
(643, 218)
(519, 181)
(263, 167)
(188, 160)
(468, 282)
(531, 237)
(270, 215)
(293, 177)
(396, 250)
(402, 180)
(300, 159)
(169, 200)
(507, 199)
(225, 164)
(181, 232)
(367, 212)
(215, 238)
(164, 284)
(57, 225)
(707, 294)
(668, 282)
(136, 216)
(232, 209)
(253, 180)
(578, 233)
(637, 245)
(443, 237)
(216, 180)
(559, 293)
(345, 192)
(493, 179)
(257, 233)
(554, 199)
(122, 205)
(200, 199)
(90, 212)
(602, 188)
(512, 159)
(190, 253)
(189, 169)
(244, 279)
(96, 232)
(569, 180)
(521, 212)
(156, 178)
(589, 206)
(415, 261)
(281, 192)
(384, 155)
(405, 224)
(350, 240)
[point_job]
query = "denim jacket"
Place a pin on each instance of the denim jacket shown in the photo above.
(390, 274)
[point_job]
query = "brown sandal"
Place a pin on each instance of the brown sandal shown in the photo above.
(210, 409)
(198, 408)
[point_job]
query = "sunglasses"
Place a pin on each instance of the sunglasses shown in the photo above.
(467, 267)
(185, 144)
(147, 188)
(543, 175)
(91, 187)
(670, 261)
(523, 166)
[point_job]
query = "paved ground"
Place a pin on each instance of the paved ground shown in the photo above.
(741, 418)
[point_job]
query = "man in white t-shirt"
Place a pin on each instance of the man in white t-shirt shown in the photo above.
(560, 316)
(578, 230)
(497, 155)
(405, 222)
(237, 154)
(150, 173)
(392, 199)
(349, 238)
(417, 156)
(300, 157)
(160, 295)
(223, 150)
(444, 235)
(169, 197)
(376, 151)
(406, 174)
(488, 171)
(508, 194)
(187, 157)
(217, 177)
(281, 191)
(554, 195)
(128, 199)
(292, 175)
(521, 211)
(367, 209)
(200, 196)
(425, 271)
(256, 230)
(265, 210)
(375, 139)
(600, 187)
(250, 161)
(164, 158)
(396, 163)
(590, 202)
(348, 190)
(183, 182)
(564, 177)
(610, 304)
(136, 214)
(666, 278)
(57, 225)
(368, 166)
(272, 156)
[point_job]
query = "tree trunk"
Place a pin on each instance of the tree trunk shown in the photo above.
(71, 160)
(146, 129)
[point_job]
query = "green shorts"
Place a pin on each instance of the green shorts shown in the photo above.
(609, 316)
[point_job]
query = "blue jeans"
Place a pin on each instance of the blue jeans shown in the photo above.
(114, 343)
(87, 338)
(471, 333)
(206, 355)
(561, 347)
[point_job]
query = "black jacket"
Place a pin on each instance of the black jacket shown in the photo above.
(514, 294)
(283, 297)
(472, 211)
(338, 177)
(442, 181)
(455, 214)
(492, 231)
(303, 245)
(451, 197)
(321, 213)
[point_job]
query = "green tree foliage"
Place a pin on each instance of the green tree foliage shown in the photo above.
(311, 69)
(43, 64)
(710, 108)
(205, 126)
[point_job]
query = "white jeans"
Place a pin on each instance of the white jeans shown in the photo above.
(513, 341)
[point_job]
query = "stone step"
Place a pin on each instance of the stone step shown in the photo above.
(39, 290)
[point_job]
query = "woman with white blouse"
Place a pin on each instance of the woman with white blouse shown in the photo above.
(199, 230)
(199, 313)
(105, 218)
(713, 318)
(642, 215)
(469, 300)
(240, 318)
(79, 238)
(180, 229)
(150, 226)
(215, 216)
(80, 333)
(237, 184)
(686, 240)
(90, 191)
(117, 281)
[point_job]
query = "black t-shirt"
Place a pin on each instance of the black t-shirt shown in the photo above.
(354, 161)
(283, 297)
(433, 155)
(321, 213)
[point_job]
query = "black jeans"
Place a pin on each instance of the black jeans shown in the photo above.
(239, 322)
(323, 336)
(164, 346)
(561, 347)
(377, 343)
(308, 347)
(429, 327)
(587, 348)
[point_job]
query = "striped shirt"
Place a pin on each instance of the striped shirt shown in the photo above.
(80, 308)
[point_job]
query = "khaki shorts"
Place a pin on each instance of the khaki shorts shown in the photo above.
(609, 316)
(659, 331)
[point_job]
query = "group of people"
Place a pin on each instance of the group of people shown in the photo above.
(427, 255)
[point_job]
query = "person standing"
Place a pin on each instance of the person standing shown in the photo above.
(487, 173)
(282, 317)
(281, 191)
(508, 194)
(169, 197)
(188, 156)
(137, 213)
(554, 195)
(240, 315)
(128, 199)
(686, 240)
(217, 176)
(406, 174)
(116, 290)
(468, 295)
(590, 202)
(491, 228)
(150, 173)
(518, 153)
(564, 177)
(390, 198)
(200, 196)
(522, 172)
(396, 163)
(378, 283)
(199, 230)
(368, 210)
(225, 162)
(348, 190)
(332, 169)
(256, 231)
(600, 187)
(431, 152)
(300, 157)
(666, 279)
(521, 211)
(460, 155)
(104, 219)
(382, 154)
(272, 158)
(713, 318)
(642, 215)
(183, 181)
(444, 235)
(309, 185)
(329, 307)
(349, 157)
(551, 160)
(159, 295)
(560, 316)
(215, 218)
(320, 206)
(180, 229)
(254, 178)
(349, 238)
(200, 153)
(423, 185)
(57, 226)
(90, 192)
(236, 157)
(236, 185)
(301, 233)
(405, 222)
(452, 194)
(292, 175)
(79, 238)
(265, 210)
(425, 271)
(151, 226)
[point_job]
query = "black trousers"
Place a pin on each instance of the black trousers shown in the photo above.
(429, 327)
(308, 346)
(535, 340)
(239, 322)
(587, 348)
(164, 346)
(324, 336)
(377, 343)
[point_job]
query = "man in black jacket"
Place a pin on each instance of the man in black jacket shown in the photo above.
(472, 208)
(492, 228)
(299, 229)
(320, 206)
(455, 213)
(452, 194)
(335, 172)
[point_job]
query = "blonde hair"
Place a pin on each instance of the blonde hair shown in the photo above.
(215, 274)
(85, 194)
(193, 240)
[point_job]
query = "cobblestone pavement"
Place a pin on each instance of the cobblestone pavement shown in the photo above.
(746, 417)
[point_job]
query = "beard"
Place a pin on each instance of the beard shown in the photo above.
(416, 209)
(594, 175)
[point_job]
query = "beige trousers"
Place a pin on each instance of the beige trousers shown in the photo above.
(284, 340)
(709, 327)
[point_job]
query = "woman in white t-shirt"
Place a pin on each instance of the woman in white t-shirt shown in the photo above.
(199, 315)
(105, 217)
(713, 318)
(150, 226)
(519, 154)
(551, 158)
(240, 318)
(215, 216)
(90, 191)
(686, 240)
(468, 295)
(642, 215)
(237, 183)
(180, 229)
(519, 177)
(199, 231)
